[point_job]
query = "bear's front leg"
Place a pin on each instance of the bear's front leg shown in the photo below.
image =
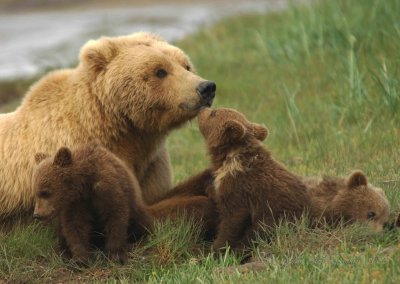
(157, 179)
(231, 228)
(116, 233)
(76, 228)
(140, 223)
(261, 227)
(62, 244)
(112, 208)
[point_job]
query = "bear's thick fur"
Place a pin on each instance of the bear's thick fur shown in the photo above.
(127, 92)
(350, 199)
(250, 187)
(90, 192)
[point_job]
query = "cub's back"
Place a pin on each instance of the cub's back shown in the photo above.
(104, 166)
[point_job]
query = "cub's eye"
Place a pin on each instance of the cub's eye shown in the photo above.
(371, 215)
(161, 73)
(44, 194)
(213, 113)
(187, 67)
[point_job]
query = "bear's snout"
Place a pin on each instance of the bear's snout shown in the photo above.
(206, 91)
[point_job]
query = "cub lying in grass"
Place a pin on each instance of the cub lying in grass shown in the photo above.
(94, 198)
(350, 199)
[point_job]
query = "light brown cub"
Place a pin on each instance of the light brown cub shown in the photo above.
(350, 199)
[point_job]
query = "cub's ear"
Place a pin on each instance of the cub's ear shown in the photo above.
(63, 157)
(234, 130)
(259, 131)
(40, 157)
(96, 54)
(356, 178)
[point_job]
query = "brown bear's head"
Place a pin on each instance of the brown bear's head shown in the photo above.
(359, 201)
(52, 182)
(143, 79)
(226, 126)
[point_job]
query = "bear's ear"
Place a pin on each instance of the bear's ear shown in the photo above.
(63, 157)
(356, 178)
(40, 157)
(96, 54)
(234, 130)
(259, 131)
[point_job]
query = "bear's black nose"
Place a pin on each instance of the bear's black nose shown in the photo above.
(206, 90)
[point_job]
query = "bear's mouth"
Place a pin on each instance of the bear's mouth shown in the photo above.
(206, 103)
(197, 107)
(44, 218)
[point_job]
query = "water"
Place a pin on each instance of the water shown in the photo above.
(36, 41)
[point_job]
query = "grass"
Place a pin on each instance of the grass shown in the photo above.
(11, 90)
(325, 80)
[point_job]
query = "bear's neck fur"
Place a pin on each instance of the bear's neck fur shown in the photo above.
(143, 145)
(250, 152)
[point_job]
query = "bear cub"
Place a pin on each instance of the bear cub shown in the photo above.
(350, 199)
(94, 198)
(250, 188)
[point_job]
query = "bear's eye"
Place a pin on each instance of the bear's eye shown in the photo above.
(187, 67)
(371, 215)
(161, 73)
(213, 113)
(44, 194)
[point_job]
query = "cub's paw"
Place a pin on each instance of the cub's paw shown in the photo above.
(118, 256)
(81, 260)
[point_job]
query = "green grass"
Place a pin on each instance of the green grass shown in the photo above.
(325, 80)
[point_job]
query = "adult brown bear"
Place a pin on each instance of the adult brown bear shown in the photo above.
(127, 93)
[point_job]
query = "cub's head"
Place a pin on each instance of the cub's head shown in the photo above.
(226, 126)
(51, 181)
(142, 79)
(362, 202)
